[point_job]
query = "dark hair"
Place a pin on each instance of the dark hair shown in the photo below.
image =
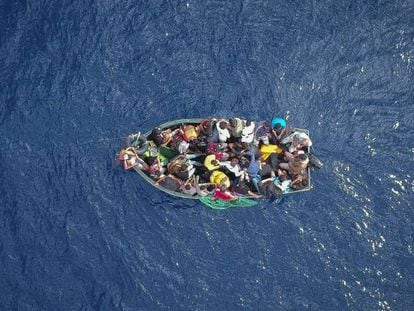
(232, 122)
(277, 127)
(235, 160)
(266, 124)
(283, 177)
(188, 186)
(215, 162)
(223, 125)
(202, 187)
(302, 157)
(210, 187)
(248, 123)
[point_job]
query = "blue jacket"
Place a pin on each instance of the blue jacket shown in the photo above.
(254, 167)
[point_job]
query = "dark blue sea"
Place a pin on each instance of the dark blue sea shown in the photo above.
(77, 233)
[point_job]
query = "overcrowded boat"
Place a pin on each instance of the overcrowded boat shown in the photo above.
(223, 162)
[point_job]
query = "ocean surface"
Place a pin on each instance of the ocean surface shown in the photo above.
(77, 233)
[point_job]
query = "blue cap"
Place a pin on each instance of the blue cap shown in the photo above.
(281, 121)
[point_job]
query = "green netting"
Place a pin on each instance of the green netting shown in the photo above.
(221, 204)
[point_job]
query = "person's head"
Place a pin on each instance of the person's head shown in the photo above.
(278, 127)
(305, 142)
(210, 188)
(302, 157)
(266, 124)
(245, 162)
(208, 128)
(223, 125)
(232, 122)
(234, 161)
(215, 162)
(245, 146)
(202, 187)
(283, 177)
(156, 130)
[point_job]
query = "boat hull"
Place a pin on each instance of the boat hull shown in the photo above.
(175, 124)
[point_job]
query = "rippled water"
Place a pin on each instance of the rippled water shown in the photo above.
(79, 234)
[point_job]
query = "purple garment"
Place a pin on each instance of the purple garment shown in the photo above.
(261, 130)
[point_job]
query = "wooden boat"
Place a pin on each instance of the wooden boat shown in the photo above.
(173, 125)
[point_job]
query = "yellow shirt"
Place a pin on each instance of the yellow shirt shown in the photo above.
(208, 164)
(218, 178)
(266, 150)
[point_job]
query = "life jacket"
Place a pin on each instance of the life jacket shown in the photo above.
(218, 178)
(208, 164)
(190, 133)
(266, 150)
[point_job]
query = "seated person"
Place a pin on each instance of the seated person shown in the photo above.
(235, 127)
(219, 178)
(218, 149)
(300, 181)
(205, 129)
(211, 162)
(214, 137)
(262, 133)
(156, 167)
(253, 169)
(296, 141)
(248, 132)
(129, 158)
(139, 142)
(281, 182)
(189, 187)
(186, 172)
(190, 133)
(241, 188)
(234, 168)
(277, 134)
(223, 132)
(181, 167)
(296, 165)
(159, 137)
(204, 189)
